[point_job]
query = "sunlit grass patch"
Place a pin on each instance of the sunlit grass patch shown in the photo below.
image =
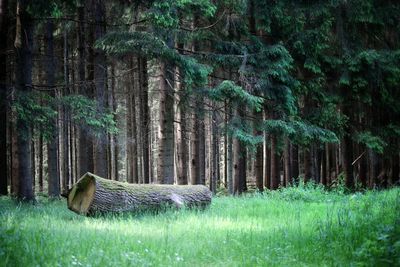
(295, 226)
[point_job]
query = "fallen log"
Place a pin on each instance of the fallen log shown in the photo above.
(92, 194)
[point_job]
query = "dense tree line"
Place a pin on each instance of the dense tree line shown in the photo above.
(232, 94)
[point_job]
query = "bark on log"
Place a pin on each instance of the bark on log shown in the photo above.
(92, 194)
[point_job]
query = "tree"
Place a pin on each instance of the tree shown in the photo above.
(23, 51)
(3, 97)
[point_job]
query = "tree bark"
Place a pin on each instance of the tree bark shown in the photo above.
(93, 194)
(84, 153)
(3, 97)
(145, 127)
(307, 164)
(287, 163)
(275, 172)
(100, 75)
(259, 172)
(295, 163)
(54, 177)
(166, 170)
(395, 169)
(23, 54)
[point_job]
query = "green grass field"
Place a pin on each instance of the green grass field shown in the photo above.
(291, 227)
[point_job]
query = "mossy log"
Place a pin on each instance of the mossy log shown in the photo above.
(92, 194)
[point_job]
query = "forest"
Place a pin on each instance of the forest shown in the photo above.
(285, 112)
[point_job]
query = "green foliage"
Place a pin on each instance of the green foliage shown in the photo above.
(371, 141)
(302, 225)
(85, 112)
(152, 46)
(37, 110)
(40, 111)
(298, 131)
(228, 90)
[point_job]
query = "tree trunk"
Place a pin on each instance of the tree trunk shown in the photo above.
(92, 195)
(132, 151)
(84, 153)
(395, 169)
(100, 75)
(23, 65)
(40, 163)
(347, 160)
(165, 168)
(214, 153)
(295, 163)
(287, 163)
(145, 128)
(307, 164)
(275, 172)
(3, 96)
(362, 174)
(53, 178)
(259, 173)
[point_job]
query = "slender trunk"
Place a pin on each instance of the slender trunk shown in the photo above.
(40, 163)
(54, 177)
(3, 96)
(259, 157)
(215, 153)
(295, 163)
(267, 162)
(23, 65)
(66, 178)
(85, 155)
(327, 165)
(275, 172)
(307, 164)
(100, 74)
(166, 170)
(181, 137)
(132, 152)
(324, 172)
(395, 168)
(287, 163)
(145, 128)
(348, 159)
(362, 175)
(33, 154)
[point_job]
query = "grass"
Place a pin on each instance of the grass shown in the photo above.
(291, 227)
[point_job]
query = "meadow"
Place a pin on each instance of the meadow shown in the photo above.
(298, 226)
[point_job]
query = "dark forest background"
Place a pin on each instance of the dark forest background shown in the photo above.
(233, 94)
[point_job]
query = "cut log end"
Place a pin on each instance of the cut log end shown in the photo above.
(93, 194)
(82, 194)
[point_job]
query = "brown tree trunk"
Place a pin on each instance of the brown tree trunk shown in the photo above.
(295, 163)
(3, 96)
(287, 163)
(85, 155)
(259, 170)
(182, 145)
(100, 75)
(40, 163)
(347, 160)
(145, 128)
(275, 172)
(395, 169)
(132, 151)
(54, 177)
(307, 164)
(93, 194)
(165, 168)
(23, 66)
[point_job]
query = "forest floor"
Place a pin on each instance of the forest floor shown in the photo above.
(290, 227)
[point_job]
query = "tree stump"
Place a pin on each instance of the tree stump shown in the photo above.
(92, 194)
